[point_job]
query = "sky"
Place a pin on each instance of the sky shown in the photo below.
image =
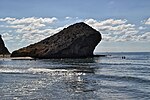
(124, 24)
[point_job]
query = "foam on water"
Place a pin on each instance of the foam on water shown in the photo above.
(8, 70)
(44, 71)
(33, 70)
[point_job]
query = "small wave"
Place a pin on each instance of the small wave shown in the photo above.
(140, 68)
(43, 71)
(125, 78)
(142, 64)
(60, 70)
(46, 70)
(32, 70)
(12, 71)
(116, 63)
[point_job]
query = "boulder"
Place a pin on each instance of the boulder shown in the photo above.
(3, 49)
(76, 41)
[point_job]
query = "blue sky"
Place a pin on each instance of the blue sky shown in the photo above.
(124, 24)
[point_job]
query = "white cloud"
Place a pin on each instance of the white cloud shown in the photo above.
(68, 18)
(126, 37)
(111, 26)
(29, 29)
(142, 28)
(7, 19)
(114, 30)
(33, 20)
(7, 36)
(34, 29)
(144, 37)
(113, 22)
(36, 35)
(107, 37)
(2, 26)
(16, 26)
(105, 22)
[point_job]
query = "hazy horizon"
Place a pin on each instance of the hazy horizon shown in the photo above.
(124, 25)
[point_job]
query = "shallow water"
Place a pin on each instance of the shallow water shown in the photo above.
(102, 78)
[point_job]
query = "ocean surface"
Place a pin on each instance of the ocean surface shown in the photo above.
(119, 76)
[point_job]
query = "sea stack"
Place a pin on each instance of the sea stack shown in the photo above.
(76, 41)
(3, 49)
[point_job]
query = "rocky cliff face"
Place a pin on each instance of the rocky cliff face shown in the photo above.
(75, 41)
(3, 49)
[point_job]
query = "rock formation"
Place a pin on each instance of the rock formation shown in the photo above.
(3, 49)
(75, 41)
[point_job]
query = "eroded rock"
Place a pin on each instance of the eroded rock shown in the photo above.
(75, 41)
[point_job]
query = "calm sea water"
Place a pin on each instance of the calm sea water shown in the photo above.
(99, 78)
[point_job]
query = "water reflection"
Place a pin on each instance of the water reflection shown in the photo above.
(44, 79)
(77, 82)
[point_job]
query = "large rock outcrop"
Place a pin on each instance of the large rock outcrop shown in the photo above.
(75, 41)
(3, 49)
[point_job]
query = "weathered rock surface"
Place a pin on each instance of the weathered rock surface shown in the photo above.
(75, 41)
(3, 49)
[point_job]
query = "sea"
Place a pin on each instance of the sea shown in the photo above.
(117, 76)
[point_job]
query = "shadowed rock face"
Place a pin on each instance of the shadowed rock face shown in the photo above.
(75, 41)
(3, 49)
